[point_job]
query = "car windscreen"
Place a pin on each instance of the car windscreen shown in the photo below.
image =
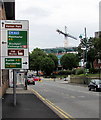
(98, 81)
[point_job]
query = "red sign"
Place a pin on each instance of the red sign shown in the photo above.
(15, 52)
(13, 26)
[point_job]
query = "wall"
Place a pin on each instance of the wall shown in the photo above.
(2, 73)
(81, 80)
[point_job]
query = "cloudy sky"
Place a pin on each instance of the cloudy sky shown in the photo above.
(45, 16)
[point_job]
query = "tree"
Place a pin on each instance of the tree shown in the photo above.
(47, 65)
(93, 46)
(97, 47)
(55, 59)
(35, 59)
(69, 61)
(91, 57)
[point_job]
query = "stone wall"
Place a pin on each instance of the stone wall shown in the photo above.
(81, 80)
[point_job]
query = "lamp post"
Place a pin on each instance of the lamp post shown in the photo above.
(85, 42)
(86, 49)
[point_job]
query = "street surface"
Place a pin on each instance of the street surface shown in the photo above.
(28, 107)
(0, 108)
(75, 100)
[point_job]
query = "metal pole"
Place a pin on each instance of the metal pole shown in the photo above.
(86, 48)
(25, 75)
(14, 87)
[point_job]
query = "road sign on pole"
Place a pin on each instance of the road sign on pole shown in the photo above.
(14, 44)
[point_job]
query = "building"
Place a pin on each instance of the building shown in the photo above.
(60, 51)
(98, 34)
(7, 12)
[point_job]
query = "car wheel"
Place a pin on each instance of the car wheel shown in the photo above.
(89, 89)
(96, 89)
(33, 83)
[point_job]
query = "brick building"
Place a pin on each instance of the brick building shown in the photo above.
(7, 12)
(98, 34)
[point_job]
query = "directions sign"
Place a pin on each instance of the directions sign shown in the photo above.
(14, 42)
(13, 26)
(17, 39)
(13, 63)
(15, 52)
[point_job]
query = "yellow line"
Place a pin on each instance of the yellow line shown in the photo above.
(63, 113)
(58, 110)
(70, 117)
(38, 94)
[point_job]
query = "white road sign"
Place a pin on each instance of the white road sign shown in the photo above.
(14, 42)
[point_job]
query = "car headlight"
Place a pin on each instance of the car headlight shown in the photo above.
(98, 86)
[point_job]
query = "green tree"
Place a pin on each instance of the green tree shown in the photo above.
(47, 65)
(69, 61)
(93, 47)
(55, 59)
(97, 47)
(91, 57)
(35, 59)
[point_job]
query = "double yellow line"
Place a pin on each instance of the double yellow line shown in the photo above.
(58, 110)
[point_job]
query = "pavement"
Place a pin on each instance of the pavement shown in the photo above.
(28, 106)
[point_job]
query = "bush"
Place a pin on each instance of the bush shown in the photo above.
(74, 71)
(67, 72)
(92, 70)
(79, 71)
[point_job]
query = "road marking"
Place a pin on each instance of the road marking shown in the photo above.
(66, 114)
(59, 110)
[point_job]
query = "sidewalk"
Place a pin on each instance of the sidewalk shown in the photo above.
(28, 107)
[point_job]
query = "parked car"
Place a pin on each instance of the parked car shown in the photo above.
(30, 80)
(95, 84)
(36, 78)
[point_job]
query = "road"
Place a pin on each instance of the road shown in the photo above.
(75, 100)
(0, 107)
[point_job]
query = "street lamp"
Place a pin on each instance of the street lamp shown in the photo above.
(85, 42)
(86, 48)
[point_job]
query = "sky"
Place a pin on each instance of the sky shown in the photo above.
(46, 16)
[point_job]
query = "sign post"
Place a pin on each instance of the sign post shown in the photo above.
(14, 44)
(14, 47)
(14, 87)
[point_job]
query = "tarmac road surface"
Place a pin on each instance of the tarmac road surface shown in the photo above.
(75, 100)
